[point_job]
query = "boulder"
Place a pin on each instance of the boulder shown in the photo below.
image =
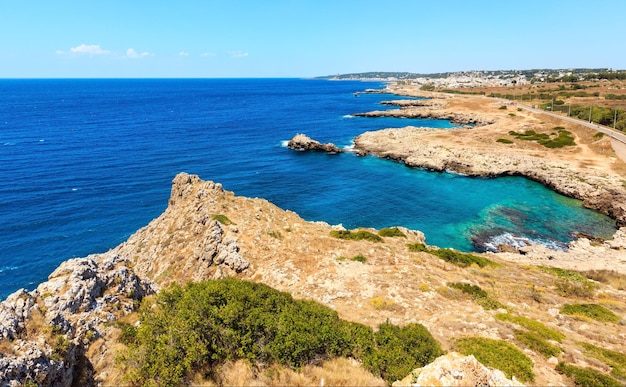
(454, 369)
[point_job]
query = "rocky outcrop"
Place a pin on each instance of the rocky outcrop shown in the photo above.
(302, 142)
(455, 369)
(48, 329)
(430, 113)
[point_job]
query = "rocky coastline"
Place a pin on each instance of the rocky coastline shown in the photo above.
(66, 331)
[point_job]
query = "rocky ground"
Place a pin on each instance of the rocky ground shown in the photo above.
(64, 332)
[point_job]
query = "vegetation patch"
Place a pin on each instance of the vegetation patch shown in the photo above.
(504, 141)
(450, 255)
(532, 325)
(391, 232)
(559, 139)
(535, 342)
(587, 376)
(478, 294)
(571, 283)
(359, 258)
(398, 347)
(196, 329)
(461, 259)
(356, 235)
(223, 219)
(592, 311)
(616, 360)
(498, 354)
(609, 277)
(418, 247)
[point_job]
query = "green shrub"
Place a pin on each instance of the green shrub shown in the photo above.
(532, 325)
(223, 219)
(503, 107)
(616, 360)
(417, 247)
(391, 232)
(399, 350)
(593, 311)
(598, 135)
(504, 141)
(472, 290)
(587, 376)
(461, 259)
(477, 294)
(359, 258)
(356, 235)
(563, 138)
(198, 327)
(498, 354)
(571, 283)
(535, 342)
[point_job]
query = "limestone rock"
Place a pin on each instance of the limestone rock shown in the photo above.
(302, 142)
(455, 369)
(80, 296)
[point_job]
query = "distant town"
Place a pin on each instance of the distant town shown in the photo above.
(463, 79)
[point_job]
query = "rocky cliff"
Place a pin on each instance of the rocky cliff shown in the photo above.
(65, 332)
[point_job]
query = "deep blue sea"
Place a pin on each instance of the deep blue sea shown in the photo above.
(85, 163)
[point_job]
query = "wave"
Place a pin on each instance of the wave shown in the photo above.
(284, 143)
(492, 243)
(347, 116)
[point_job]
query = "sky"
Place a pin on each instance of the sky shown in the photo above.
(303, 38)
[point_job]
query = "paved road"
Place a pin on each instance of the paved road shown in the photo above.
(614, 134)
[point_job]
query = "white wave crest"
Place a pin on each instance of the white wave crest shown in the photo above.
(520, 241)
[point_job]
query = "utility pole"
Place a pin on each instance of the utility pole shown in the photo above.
(590, 107)
(615, 118)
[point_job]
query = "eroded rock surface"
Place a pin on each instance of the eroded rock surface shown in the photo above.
(302, 142)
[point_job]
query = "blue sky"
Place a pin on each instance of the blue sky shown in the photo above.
(306, 38)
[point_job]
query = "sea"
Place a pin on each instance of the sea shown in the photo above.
(86, 162)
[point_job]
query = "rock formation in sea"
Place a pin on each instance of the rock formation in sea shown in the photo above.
(302, 142)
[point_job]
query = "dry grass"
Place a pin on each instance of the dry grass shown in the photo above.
(336, 372)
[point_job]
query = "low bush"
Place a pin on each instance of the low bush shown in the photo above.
(571, 283)
(417, 247)
(563, 137)
(461, 259)
(504, 141)
(532, 325)
(609, 277)
(481, 296)
(401, 349)
(391, 232)
(616, 360)
(535, 342)
(356, 235)
(223, 219)
(197, 328)
(592, 311)
(498, 354)
(359, 258)
(587, 376)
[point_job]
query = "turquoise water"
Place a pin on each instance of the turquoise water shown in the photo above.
(85, 163)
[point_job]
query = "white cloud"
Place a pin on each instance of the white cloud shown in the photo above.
(131, 53)
(207, 54)
(89, 49)
(238, 54)
(183, 53)
(59, 52)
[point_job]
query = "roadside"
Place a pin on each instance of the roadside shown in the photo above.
(618, 139)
